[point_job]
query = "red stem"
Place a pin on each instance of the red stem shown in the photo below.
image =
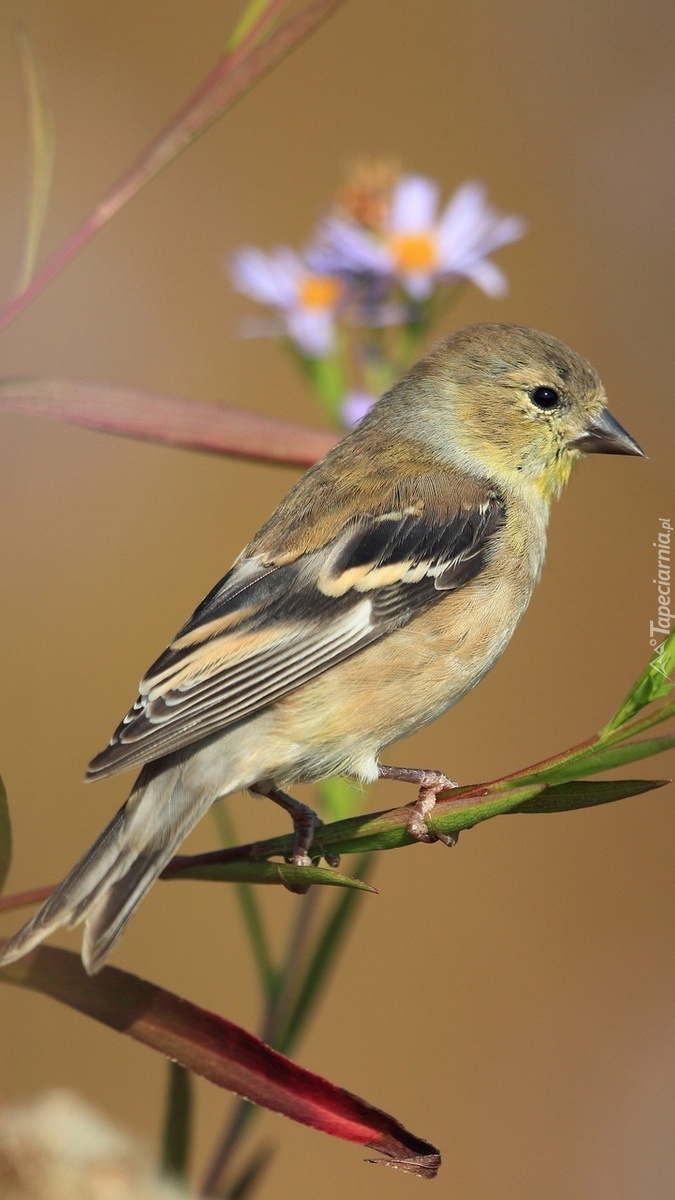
(234, 74)
(25, 899)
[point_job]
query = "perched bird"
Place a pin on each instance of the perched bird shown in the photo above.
(382, 589)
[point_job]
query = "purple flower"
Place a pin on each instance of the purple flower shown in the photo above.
(355, 406)
(305, 302)
(417, 247)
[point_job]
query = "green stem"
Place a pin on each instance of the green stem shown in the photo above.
(278, 1001)
(634, 727)
(327, 945)
(327, 378)
(177, 1133)
(250, 909)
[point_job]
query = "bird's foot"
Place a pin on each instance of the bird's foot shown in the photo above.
(305, 825)
(430, 783)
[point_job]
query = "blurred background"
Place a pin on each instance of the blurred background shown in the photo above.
(512, 1000)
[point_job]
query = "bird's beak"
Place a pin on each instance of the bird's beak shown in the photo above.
(604, 435)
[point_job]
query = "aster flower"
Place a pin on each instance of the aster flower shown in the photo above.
(355, 406)
(418, 248)
(305, 301)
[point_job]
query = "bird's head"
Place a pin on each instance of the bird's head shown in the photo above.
(519, 406)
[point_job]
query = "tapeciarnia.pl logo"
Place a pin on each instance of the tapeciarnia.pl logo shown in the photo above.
(659, 629)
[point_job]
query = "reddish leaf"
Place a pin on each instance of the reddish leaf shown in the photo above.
(220, 429)
(221, 1052)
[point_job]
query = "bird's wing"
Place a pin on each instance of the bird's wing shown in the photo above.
(267, 628)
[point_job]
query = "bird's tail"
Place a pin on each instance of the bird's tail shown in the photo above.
(109, 882)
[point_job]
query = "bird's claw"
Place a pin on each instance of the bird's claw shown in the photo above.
(431, 783)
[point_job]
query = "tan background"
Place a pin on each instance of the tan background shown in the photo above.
(514, 1000)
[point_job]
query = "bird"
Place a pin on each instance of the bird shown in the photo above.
(385, 585)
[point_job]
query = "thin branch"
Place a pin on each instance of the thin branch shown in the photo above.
(27, 899)
(388, 830)
(231, 78)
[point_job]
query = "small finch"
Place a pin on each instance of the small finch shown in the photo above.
(383, 588)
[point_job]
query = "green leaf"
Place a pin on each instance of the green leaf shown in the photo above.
(5, 837)
(665, 712)
(567, 797)
(177, 1133)
(41, 150)
(604, 758)
(327, 945)
(652, 684)
(463, 811)
(259, 870)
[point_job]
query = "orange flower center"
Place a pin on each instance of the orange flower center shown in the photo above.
(414, 251)
(319, 291)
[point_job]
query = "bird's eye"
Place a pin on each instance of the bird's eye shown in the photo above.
(545, 398)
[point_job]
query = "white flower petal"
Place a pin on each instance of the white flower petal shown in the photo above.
(312, 330)
(502, 231)
(413, 205)
(468, 231)
(289, 265)
(341, 246)
(489, 278)
(465, 207)
(465, 218)
(267, 278)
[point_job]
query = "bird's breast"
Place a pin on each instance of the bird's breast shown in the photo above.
(342, 719)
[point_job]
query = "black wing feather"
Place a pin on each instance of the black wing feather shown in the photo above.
(295, 621)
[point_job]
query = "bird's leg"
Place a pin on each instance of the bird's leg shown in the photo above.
(305, 824)
(430, 783)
